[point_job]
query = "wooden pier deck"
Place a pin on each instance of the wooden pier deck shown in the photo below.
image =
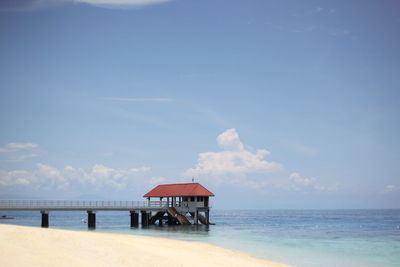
(163, 210)
(145, 208)
(94, 205)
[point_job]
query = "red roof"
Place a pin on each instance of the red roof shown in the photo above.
(179, 190)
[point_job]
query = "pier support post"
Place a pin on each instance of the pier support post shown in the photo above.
(160, 220)
(145, 218)
(134, 218)
(91, 219)
(170, 220)
(45, 218)
(196, 217)
(208, 216)
(149, 213)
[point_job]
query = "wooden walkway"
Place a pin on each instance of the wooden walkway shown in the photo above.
(144, 208)
(94, 205)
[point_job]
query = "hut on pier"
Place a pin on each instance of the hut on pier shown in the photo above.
(186, 202)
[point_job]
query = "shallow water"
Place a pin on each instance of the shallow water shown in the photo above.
(298, 237)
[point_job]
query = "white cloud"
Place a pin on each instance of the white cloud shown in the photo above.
(22, 157)
(121, 3)
(19, 151)
(234, 159)
(390, 188)
(13, 177)
(229, 140)
(241, 166)
(299, 183)
(28, 5)
(33, 5)
(127, 99)
(49, 177)
(319, 9)
(13, 147)
(296, 177)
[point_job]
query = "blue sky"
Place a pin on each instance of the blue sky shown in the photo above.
(269, 104)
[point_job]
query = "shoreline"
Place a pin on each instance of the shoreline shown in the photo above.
(34, 246)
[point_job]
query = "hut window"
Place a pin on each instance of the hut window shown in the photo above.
(185, 198)
(192, 199)
(199, 199)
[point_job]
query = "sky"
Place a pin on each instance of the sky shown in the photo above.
(268, 104)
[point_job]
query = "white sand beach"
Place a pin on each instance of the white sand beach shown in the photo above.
(31, 246)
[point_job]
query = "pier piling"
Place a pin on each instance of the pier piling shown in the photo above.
(91, 219)
(45, 218)
(145, 218)
(134, 218)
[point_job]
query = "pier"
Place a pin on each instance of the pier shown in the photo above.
(184, 204)
(145, 208)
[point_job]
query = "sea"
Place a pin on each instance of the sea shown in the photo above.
(304, 238)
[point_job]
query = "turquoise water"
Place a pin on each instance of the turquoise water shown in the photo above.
(297, 237)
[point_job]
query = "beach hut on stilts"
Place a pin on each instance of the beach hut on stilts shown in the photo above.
(187, 203)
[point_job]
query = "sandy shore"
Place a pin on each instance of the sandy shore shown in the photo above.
(31, 246)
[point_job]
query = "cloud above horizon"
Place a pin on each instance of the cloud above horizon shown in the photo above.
(234, 158)
(12, 147)
(98, 178)
(296, 177)
(121, 3)
(19, 151)
(131, 99)
(239, 165)
(390, 188)
(32, 5)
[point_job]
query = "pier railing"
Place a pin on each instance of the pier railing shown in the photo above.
(6, 204)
